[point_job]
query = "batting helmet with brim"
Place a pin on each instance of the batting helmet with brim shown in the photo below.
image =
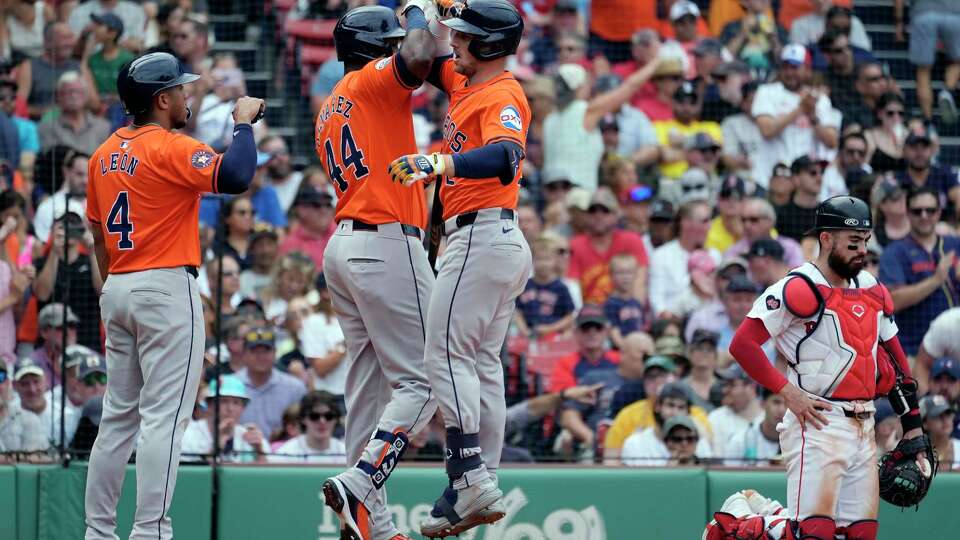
(842, 213)
(144, 77)
(496, 27)
(366, 33)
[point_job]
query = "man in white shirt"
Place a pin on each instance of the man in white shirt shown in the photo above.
(131, 13)
(851, 157)
(742, 408)
(810, 27)
(71, 197)
(19, 431)
(238, 442)
(647, 446)
(280, 173)
(669, 278)
(319, 415)
(759, 443)
(940, 341)
(794, 118)
(30, 383)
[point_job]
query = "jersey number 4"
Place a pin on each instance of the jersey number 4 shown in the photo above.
(118, 222)
(350, 157)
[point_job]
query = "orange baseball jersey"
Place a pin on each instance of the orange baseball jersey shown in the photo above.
(479, 115)
(144, 192)
(365, 123)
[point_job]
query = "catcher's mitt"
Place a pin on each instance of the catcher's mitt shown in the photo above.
(907, 471)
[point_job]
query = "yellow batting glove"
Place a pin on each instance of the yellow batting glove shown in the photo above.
(415, 167)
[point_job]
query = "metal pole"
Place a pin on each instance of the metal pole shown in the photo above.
(220, 240)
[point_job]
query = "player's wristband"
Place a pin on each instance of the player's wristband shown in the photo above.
(416, 20)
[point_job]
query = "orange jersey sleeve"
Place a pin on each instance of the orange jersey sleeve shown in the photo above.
(144, 192)
(364, 124)
(479, 115)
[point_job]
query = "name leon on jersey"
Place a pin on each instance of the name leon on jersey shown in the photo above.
(125, 162)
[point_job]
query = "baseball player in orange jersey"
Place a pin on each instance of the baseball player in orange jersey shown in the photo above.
(375, 265)
(486, 262)
(143, 201)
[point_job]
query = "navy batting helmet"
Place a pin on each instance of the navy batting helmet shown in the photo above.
(495, 25)
(842, 212)
(364, 34)
(144, 77)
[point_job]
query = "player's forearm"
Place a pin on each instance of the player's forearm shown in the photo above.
(419, 48)
(747, 351)
(500, 160)
(239, 162)
(910, 295)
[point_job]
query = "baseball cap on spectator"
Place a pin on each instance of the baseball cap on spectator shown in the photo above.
(591, 314)
(669, 346)
(687, 90)
(27, 366)
(702, 335)
(741, 284)
(701, 141)
(250, 306)
(681, 420)
(676, 390)
(231, 386)
(75, 355)
(609, 123)
(782, 169)
(662, 210)
(731, 67)
(884, 190)
(883, 410)
(708, 46)
(682, 8)
(738, 263)
(51, 316)
(795, 55)
(946, 366)
(933, 406)
(637, 194)
(919, 134)
(605, 198)
(766, 247)
(311, 195)
(259, 337)
(670, 66)
(573, 75)
(578, 198)
(659, 362)
(261, 231)
(92, 364)
(805, 162)
(733, 187)
(109, 20)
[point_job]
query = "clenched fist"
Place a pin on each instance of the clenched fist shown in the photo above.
(415, 167)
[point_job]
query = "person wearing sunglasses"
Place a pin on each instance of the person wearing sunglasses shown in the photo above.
(673, 134)
(920, 150)
(796, 217)
(890, 222)
(841, 174)
(922, 269)
(20, 431)
(653, 446)
(885, 141)
(319, 416)
(239, 441)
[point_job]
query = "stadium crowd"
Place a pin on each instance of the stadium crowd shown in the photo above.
(676, 155)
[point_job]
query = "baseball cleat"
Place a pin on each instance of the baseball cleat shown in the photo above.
(457, 511)
(354, 517)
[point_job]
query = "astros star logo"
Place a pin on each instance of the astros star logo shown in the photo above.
(201, 159)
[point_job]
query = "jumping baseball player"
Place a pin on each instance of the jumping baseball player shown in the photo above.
(829, 318)
(486, 262)
(143, 202)
(375, 264)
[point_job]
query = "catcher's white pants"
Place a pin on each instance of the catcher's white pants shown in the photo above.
(831, 471)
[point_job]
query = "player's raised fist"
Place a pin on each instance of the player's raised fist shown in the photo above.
(415, 167)
(248, 110)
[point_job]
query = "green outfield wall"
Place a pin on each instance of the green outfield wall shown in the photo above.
(45, 502)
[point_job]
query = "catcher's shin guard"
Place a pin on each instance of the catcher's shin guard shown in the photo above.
(812, 528)
(864, 529)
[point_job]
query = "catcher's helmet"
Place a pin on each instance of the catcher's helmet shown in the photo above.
(495, 25)
(363, 34)
(144, 77)
(842, 212)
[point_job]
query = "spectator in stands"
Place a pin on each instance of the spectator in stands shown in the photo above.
(938, 420)
(271, 391)
(758, 218)
(104, 65)
(237, 217)
(919, 150)
(66, 264)
(232, 350)
(266, 204)
(669, 278)
(590, 252)
(712, 315)
(542, 96)
(563, 20)
(20, 431)
(636, 204)
(214, 124)
(683, 19)
(871, 82)
(644, 48)
(314, 225)
(289, 429)
(646, 446)
(131, 14)
(839, 74)
(794, 118)
(737, 298)
(667, 79)
(280, 174)
(545, 307)
(319, 414)
(662, 217)
(809, 28)
(263, 248)
(673, 134)
(228, 291)
(921, 270)
(741, 136)
(933, 21)
(795, 218)
(682, 441)
(849, 165)
(37, 77)
(702, 179)
(73, 126)
(324, 347)
(24, 23)
(702, 354)
(529, 221)
(756, 38)
(727, 228)
(741, 408)
(708, 56)
(160, 33)
(890, 222)
(572, 144)
(767, 264)
(31, 385)
(27, 135)
(939, 342)
(626, 313)
(724, 96)
(759, 442)
(51, 324)
(293, 276)
(945, 379)
(238, 441)
(887, 428)
(885, 140)
(782, 186)
(635, 138)
(14, 282)
(191, 45)
(71, 196)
